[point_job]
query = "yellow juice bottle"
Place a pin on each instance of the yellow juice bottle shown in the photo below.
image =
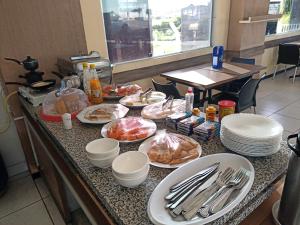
(96, 89)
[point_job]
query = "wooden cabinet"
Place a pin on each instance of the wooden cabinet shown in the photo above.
(50, 175)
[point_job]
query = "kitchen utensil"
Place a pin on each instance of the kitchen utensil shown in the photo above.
(207, 194)
(176, 197)
(220, 201)
(233, 181)
(134, 101)
(156, 210)
(199, 174)
(145, 93)
(31, 65)
(159, 111)
(178, 209)
(289, 209)
(41, 85)
(28, 63)
(146, 145)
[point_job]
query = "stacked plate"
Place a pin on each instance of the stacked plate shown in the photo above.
(250, 134)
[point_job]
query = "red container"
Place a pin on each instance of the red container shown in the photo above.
(226, 107)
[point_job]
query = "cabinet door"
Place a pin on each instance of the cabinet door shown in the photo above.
(50, 175)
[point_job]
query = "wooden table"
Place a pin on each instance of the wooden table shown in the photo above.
(205, 78)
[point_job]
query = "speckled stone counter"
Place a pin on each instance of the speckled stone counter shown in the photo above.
(128, 206)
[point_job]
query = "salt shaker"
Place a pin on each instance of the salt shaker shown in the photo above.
(67, 121)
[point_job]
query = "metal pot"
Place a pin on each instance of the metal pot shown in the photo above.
(29, 63)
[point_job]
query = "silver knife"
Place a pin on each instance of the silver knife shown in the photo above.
(203, 172)
(193, 183)
(178, 209)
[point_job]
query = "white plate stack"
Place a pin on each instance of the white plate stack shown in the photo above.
(251, 134)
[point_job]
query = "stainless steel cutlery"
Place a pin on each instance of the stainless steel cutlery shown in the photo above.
(206, 192)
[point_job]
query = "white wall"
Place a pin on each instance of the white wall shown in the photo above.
(10, 146)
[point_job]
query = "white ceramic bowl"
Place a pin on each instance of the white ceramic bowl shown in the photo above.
(104, 162)
(131, 182)
(102, 148)
(130, 164)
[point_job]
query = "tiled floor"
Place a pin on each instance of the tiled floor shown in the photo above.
(28, 202)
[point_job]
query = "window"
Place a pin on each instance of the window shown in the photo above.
(137, 29)
(290, 20)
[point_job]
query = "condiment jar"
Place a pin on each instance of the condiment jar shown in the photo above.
(226, 107)
(211, 113)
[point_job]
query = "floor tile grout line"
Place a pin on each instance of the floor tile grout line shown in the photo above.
(48, 212)
(36, 186)
(2, 217)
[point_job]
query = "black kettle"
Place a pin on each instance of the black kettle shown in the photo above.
(295, 148)
(289, 208)
(29, 63)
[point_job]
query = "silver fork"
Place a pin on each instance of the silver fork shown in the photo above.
(235, 179)
(190, 211)
(219, 202)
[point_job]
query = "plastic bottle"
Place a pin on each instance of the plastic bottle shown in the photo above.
(96, 89)
(218, 52)
(86, 80)
(189, 100)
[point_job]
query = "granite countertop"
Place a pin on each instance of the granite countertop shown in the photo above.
(128, 206)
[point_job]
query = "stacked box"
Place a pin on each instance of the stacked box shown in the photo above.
(172, 120)
(206, 131)
(187, 125)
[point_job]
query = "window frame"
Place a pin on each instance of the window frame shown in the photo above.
(280, 35)
(94, 34)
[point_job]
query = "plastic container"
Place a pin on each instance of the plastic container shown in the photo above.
(226, 107)
(218, 52)
(95, 85)
(211, 113)
(57, 103)
(86, 80)
(189, 100)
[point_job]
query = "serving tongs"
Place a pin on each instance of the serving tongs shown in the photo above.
(145, 94)
(169, 102)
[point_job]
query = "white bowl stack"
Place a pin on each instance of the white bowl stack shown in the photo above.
(251, 134)
(130, 169)
(102, 152)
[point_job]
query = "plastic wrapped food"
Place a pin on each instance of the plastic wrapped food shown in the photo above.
(120, 91)
(170, 148)
(69, 100)
(131, 129)
(161, 111)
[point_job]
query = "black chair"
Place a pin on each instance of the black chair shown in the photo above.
(288, 54)
(168, 89)
(244, 98)
(237, 84)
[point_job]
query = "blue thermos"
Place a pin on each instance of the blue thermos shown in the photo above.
(218, 52)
